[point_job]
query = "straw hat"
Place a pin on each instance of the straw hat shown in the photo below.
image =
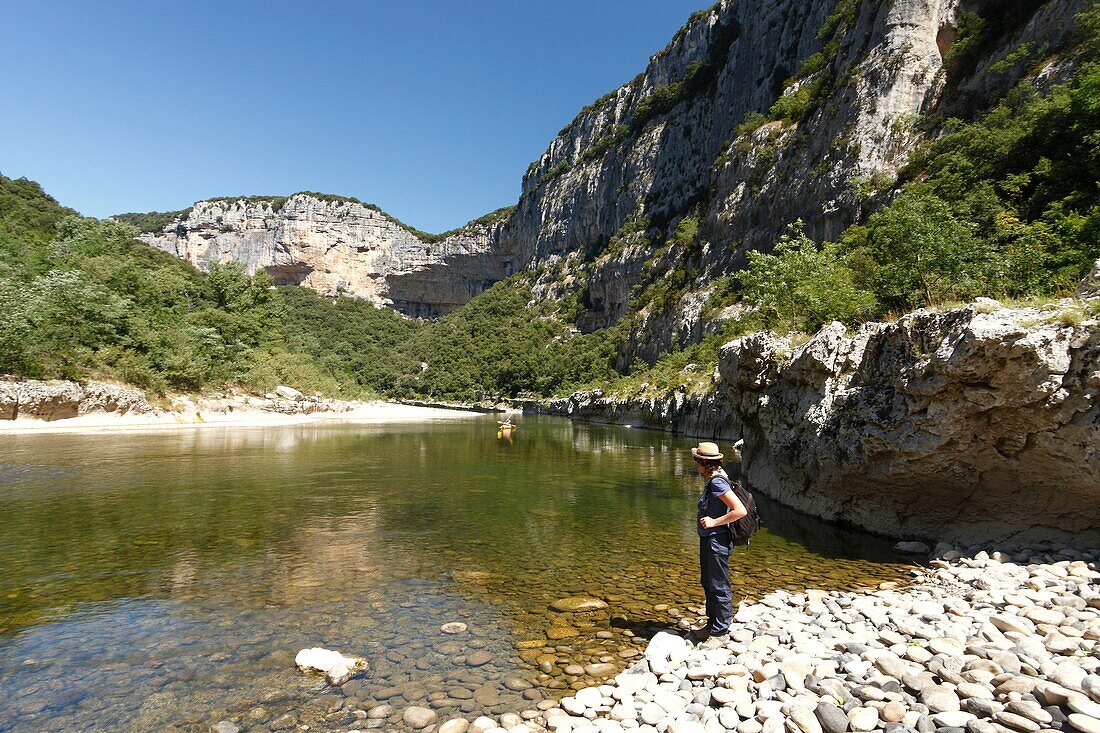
(707, 451)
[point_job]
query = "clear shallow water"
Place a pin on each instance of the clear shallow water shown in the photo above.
(165, 581)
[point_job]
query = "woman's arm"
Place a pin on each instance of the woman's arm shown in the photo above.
(736, 511)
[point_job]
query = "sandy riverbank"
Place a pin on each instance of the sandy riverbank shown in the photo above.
(198, 416)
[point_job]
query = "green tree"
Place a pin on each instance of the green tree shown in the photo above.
(924, 254)
(66, 308)
(800, 286)
(14, 326)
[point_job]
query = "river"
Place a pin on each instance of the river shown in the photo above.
(164, 581)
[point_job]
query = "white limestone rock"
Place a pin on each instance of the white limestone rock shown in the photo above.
(336, 667)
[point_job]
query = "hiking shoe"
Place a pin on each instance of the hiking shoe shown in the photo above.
(703, 635)
(698, 636)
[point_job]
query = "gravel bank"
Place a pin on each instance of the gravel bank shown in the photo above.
(981, 642)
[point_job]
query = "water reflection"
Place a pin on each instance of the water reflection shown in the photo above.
(187, 567)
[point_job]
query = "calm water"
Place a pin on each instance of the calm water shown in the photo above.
(165, 581)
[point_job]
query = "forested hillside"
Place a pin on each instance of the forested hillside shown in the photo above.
(82, 298)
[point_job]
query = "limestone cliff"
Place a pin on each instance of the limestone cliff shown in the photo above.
(976, 424)
(697, 134)
(979, 423)
(338, 245)
(708, 415)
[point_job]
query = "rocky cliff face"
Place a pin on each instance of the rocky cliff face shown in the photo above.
(977, 424)
(339, 246)
(60, 400)
(680, 139)
(704, 415)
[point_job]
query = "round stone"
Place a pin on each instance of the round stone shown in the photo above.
(600, 669)
(1016, 722)
(723, 695)
(454, 627)
(981, 707)
(1084, 723)
(891, 666)
(978, 725)
(516, 684)
(1030, 710)
(863, 719)
(939, 699)
(508, 721)
(946, 646)
(573, 706)
(561, 631)
(1080, 704)
(652, 713)
(1022, 685)
(482, 723)
(832, 718)
(805, 719)
(893, 712)
(954, 719)
(455, 725)
(479, 658)
(590, 697)
(973, 689)
(418, 718)
(378, 712)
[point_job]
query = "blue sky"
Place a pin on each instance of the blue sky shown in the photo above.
(432, 110)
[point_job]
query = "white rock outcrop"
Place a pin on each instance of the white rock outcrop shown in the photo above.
(58, 400)
(617, 161)
(338, 246)
(957, 426)
(630, 156)
(335, 666)
(1090, 286)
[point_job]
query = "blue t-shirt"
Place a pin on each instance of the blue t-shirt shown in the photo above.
(711, 506)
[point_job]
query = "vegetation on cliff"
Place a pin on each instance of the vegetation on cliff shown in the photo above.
(82, 298)
(1006, 206)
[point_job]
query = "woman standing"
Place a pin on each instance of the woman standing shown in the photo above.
(718, 507)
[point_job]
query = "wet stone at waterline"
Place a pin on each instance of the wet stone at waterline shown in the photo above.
(581, 612)
(245, 546)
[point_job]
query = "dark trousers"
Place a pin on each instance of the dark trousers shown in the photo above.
(714, 572)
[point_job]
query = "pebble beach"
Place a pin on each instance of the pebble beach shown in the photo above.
(981, 641)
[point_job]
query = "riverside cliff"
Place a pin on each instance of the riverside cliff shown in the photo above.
(975, 424)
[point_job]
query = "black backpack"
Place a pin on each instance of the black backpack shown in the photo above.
(744, 528)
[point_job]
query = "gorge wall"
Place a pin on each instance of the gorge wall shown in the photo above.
(339, 246)
(696, 135)
(670, 143)
(981, 423)
(976, 424)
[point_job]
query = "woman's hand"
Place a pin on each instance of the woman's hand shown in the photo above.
(708, 523)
